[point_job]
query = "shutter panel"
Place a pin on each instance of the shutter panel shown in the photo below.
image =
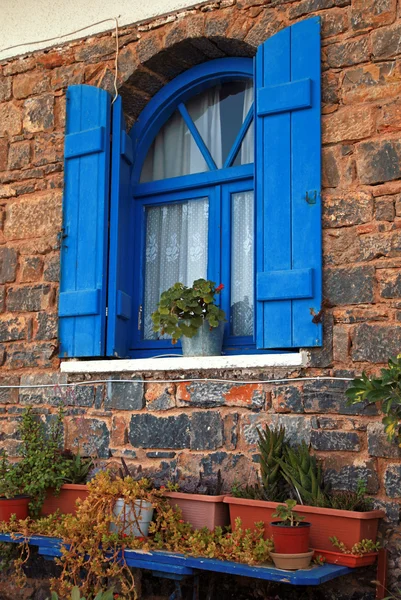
(82, 302)
(288, 204)
(119, 327)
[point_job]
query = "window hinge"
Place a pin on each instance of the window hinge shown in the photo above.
(107, 311)
(140, 317)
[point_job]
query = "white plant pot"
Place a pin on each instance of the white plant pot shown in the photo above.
(135, 517)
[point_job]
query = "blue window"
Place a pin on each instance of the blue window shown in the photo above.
(219, 178)
(193, 190)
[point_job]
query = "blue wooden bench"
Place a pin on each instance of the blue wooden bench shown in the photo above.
(179, 567)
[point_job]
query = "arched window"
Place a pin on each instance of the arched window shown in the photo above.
(218, 178)
(193, 187)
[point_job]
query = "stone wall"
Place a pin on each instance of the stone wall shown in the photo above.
(183, 424)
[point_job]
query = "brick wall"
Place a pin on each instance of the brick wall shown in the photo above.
(168, 424)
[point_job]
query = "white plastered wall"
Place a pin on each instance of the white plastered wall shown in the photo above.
(27, 21)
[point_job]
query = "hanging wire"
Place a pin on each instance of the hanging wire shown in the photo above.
(182, 380)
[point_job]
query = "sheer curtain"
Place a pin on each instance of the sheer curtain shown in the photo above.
(242, 236)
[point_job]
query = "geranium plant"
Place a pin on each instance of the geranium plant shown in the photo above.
(182, 310)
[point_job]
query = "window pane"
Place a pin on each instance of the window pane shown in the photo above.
(242, 263)
(173, 153)
(246, 150)
(218, 114)
(176, 251)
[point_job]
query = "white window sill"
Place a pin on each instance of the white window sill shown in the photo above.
(188, 363)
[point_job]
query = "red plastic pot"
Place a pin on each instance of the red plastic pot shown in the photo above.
(347, 560)
(65, 501)
(200, 510)
(14, 506)
(290, 540)
(348, 526)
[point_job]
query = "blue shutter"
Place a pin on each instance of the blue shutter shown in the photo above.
(82, 302)
(288, 164)
(119, 326)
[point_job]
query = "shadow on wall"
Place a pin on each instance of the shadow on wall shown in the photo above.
(144, 73)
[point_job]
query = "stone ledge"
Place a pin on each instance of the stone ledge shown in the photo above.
(187, 363)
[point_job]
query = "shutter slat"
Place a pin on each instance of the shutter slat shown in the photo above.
(284, 285)
(119, 325)
(306, 159)
(287, 171)
(85, 220)
(284, 97)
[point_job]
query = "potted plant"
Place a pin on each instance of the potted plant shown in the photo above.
(190, 313)
(361, 554)
(291, 538)
(12, 498)
(74, 486)
(346, 514)
(200, 499)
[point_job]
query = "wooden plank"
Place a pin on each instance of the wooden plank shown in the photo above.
(284, 97)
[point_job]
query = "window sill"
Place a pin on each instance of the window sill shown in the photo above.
(188, 363)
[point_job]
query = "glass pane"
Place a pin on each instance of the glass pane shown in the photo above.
(242, 263)
(176, 251)
(173, 153)
(246, 150)
(218, 114)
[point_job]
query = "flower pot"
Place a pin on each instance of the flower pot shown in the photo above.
(65, 501)
(292, 562)
(207, 341)
(290, 540)
(200, 510)
(135, 517)
(17, 506)
(348, 526)
(347, 560)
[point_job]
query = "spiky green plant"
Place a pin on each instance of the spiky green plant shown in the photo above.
(271, 447)
(304, 473)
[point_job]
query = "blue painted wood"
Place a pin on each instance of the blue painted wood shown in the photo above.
(287, 168)
(75, 304)
(187, 182)
(121, 260)
(197, 136)
(284, 285)
(306, 174)
(85, 142)
(166, 562)
(238, 141)
(85, 222)
(284, 97)
(273, 191)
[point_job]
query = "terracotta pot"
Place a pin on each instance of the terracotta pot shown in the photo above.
(347, 560)
(292, 562)
(290, 540)
(11, 506)
(65, 501)
(348, 526)
(199, 510)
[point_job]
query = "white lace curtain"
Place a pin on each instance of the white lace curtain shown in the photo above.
(177, 233)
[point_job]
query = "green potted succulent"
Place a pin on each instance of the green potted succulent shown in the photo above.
(296, 473)
(12, 497)
(190, 314)
(291, 538)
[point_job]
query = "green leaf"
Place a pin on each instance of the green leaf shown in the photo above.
(75, 594)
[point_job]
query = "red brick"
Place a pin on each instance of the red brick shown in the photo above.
(372, 13)
(10, 119)
(30, 84)
(348, 124)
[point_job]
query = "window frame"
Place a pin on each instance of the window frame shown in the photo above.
(215, 183)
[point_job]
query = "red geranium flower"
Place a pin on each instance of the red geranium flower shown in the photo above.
(219, 287)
